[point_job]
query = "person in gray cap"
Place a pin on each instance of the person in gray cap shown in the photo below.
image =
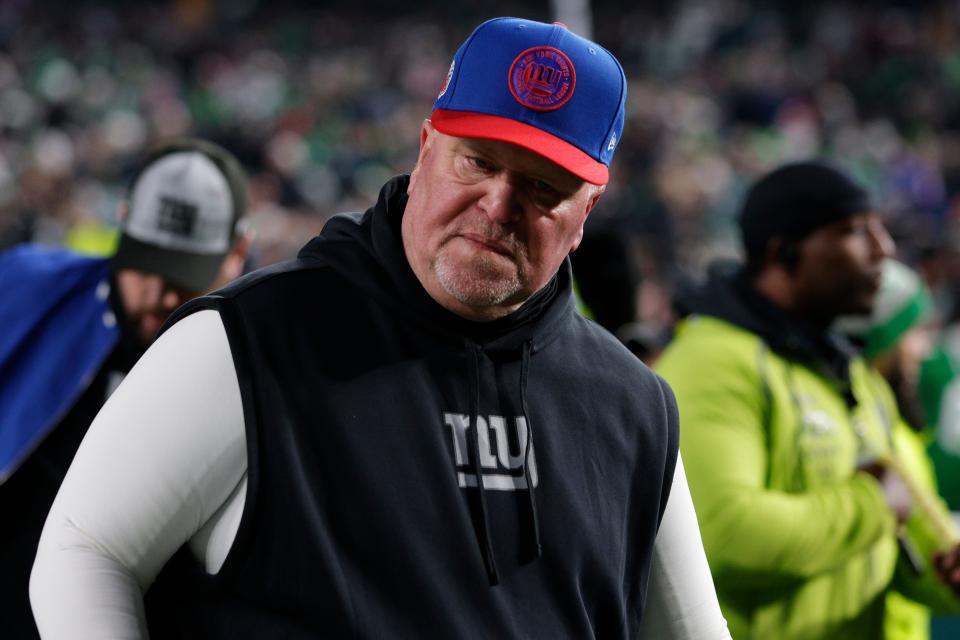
(408, 431)
(72, 326)
(786, 431)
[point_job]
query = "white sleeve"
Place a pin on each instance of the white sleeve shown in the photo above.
(164, 455)
(681, 599)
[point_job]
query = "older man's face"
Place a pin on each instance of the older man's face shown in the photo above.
(488, 223)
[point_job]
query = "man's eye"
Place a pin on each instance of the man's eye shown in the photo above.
(544, 188)
(546, 191)
(858, 229)
(480, 163)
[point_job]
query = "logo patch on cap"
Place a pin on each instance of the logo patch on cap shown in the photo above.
(542, 78)
(176, 217)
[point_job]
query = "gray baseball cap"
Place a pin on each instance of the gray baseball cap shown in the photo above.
(183, 214)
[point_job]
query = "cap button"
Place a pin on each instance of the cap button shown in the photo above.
(560, 24)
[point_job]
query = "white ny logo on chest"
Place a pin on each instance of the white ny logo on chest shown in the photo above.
(501, 457)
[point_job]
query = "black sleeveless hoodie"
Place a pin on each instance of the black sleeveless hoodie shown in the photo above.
(370, 411)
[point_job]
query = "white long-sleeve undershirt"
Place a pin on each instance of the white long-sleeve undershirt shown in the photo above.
(165, 463)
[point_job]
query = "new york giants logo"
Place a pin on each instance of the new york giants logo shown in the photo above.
(501, 456)
(542, 78)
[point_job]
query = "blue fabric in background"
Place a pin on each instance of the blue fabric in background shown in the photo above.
(56, 330)
(945, 628)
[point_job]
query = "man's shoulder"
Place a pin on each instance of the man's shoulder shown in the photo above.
(608, 356)
(265, 279)
(276, 284)
(708, 346)
(596, 365)
(709, 334)
(42, 261)
(598, 340)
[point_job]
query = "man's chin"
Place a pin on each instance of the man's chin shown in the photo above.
(477, 282)
(479, 295)
(859, 307)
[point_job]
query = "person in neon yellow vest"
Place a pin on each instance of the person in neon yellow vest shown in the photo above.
(787, 432)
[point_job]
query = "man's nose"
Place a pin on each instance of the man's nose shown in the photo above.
(501, 199)
(171, 298)
(883, 244)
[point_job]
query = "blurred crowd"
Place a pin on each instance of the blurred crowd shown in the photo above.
(322, 104)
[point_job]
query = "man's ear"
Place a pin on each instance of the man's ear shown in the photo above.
(426, 140)
(595, 198)
(783, 251)
(426, 132)
(591, 203)
(232, 267)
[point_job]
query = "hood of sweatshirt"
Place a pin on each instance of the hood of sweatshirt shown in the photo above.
(368, 248)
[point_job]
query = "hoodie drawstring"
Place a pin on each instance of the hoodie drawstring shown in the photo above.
(485, 538)
(489, 560)
(531, 498)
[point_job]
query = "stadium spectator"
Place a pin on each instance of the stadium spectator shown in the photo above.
(896, 338)
(786, 433)
(73, 326)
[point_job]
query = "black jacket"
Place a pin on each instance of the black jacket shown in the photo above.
(361, 398)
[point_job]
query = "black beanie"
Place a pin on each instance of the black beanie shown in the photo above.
(795, 199)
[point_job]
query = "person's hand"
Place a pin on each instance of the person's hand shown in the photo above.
(947, 565)
(895, 490)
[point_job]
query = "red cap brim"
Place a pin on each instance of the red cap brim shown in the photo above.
(467, 124)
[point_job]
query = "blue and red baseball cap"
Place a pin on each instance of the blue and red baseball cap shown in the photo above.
(538, 86)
